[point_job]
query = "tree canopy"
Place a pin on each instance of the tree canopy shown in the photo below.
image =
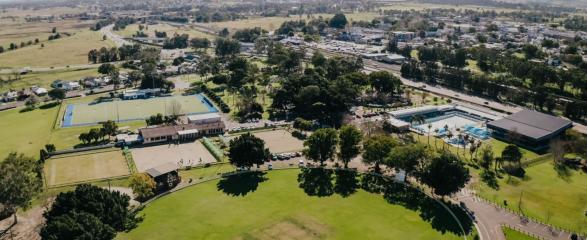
(445, 173)
(338, 21)
(20, 178)
(350, 138)
(321, 145)
(247, 150)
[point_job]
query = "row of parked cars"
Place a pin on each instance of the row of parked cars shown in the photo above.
(285, 156)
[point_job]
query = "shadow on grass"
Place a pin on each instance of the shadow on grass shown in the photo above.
(316, 181)
(563, 171)
(49, 105)
(429, 209)
(490, 178)
(346, 182)
(241, 184)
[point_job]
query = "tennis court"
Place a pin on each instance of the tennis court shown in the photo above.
(132, 110)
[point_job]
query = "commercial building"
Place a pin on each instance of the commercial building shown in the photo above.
(197, 126)
(529, 129)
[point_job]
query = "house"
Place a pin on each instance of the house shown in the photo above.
(132, 94)
(165, 176)
(39, 91)
(206, 118)
(10, 96)
(530, 129)
(247, 47)
(66, 85)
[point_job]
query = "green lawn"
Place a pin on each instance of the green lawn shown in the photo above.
(560, 200)
(28, 132)
(44, 79)
(511, 234)
(277, 209)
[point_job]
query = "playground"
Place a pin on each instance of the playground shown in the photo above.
(84, 114)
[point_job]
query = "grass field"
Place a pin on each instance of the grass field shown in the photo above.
(44, 79)
(129, 110)
(560, 200)
(132, 29)
(28, 132)
(20, 31)
(511, 234)
(85, 166)
(277, 209)
(61, 52)
(272, 23)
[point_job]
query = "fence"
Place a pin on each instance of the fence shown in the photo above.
(553, 228)
(129, 160)
(525, 232)
(83, 149)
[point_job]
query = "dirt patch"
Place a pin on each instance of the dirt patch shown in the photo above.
(299, 228)
(279, 141)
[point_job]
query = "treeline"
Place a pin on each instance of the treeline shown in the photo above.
(119, 23)
(177, 41)
(205, 17)
(314, 26)
(125, 52)
(249, 34)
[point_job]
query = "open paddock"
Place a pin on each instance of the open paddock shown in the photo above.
(85, 166)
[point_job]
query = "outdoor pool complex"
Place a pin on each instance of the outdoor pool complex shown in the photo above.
(133, 110)
(439, 120)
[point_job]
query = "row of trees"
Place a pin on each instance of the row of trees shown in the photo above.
(125, 52)
(108, 128)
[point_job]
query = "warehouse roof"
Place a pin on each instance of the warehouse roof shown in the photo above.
(531, 124)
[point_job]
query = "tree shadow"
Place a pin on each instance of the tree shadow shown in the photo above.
(240, 184)
(373, 183)
(489, 178)
(49, 105)
(430, 209)
(346, 182)
(316, 181)
(563, 171)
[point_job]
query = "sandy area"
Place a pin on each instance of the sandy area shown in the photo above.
(188, 153)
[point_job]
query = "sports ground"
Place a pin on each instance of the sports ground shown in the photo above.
(85, 166)
(275, 207)
(132, 110)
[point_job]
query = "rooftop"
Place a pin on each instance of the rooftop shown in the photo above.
(531, 124)
(162, 169)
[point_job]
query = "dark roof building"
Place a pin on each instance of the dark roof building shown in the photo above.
(530, 129)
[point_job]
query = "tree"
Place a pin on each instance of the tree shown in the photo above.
(512, 154)
(227, 47)
(321, 145)
(77, 225)
(338, 21)
(318, 59)
(57, 94)
(50, 148)
(110, 127)
(20, 178)
(384, 83)
(445, 174)
(32, 101)
(224, 32)
(142, 186)
(409, 158)
(349, 139)
(247, 150)
(110, 207)
(376, 149)
(106, 68)
(199, 43)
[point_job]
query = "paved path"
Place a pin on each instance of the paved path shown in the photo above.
(117, 39)
(490, 219)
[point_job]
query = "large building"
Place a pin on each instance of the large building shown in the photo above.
(529, 129)
(206, 124)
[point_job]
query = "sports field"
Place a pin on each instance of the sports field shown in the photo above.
(132, 110)
(85, 166)
(277, 208)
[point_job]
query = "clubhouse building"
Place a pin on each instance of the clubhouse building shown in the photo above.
(529, 129)
(197, 126)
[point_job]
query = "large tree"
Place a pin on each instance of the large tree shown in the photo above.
(445, 173)
(247, 150)
(321, 145)
(77, 225)
(227, 47)
(409, 158)
(110, 207)
(142, 186)
(376, 149)
(20, 182)
(57, 94)
(338, 21)
(512, 154)
(349, 143)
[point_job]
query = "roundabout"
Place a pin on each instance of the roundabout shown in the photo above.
(298, 204)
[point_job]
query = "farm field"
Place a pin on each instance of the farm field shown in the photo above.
(272, 23)
(85, 166)
(560, 200)
(277, 208)
(17, 31)
(133, 110)
(61, 52)
(132, 29)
